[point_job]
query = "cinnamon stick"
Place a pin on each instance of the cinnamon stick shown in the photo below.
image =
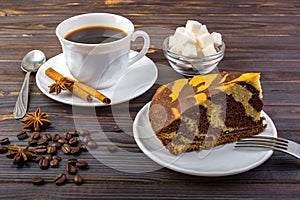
(54, 75)
(83, 91)
(93, 92)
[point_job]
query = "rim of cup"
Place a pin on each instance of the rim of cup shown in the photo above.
(61, 37)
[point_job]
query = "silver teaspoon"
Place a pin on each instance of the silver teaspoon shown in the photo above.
(30, 63)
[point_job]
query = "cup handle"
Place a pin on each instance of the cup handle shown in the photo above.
(145, 48)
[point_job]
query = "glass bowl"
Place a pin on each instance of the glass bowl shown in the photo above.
(189, 66)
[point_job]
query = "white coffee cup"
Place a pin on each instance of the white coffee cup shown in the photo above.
(100, 65)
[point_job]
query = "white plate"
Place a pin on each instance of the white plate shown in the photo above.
(220, 161)
(137, 79)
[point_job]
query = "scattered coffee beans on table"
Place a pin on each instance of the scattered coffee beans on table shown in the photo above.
(47, 148)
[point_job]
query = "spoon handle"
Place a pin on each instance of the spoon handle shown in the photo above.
(22, 101)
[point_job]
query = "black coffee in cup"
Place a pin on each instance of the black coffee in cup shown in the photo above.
(95, 34)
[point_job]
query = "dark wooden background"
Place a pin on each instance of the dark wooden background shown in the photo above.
(261, 36)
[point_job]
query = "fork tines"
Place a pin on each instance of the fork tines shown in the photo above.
(263, 142)
(279, 144)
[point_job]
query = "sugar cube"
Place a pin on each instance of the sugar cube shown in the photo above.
(180, 30)
(189, 50)
(190, 37)
(177, 38)
(183, 37)
(176, 49)
(193, 27)
(209, 50)
(205, 40)
(203, 30)
(217, 38)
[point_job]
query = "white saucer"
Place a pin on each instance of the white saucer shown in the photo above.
(220, 161)
(137, 79)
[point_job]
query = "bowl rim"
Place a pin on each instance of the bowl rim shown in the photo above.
(166, 50)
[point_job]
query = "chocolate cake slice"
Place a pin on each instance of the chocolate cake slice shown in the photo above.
(206, 111)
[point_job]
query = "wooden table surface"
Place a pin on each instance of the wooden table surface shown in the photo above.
(260, 35)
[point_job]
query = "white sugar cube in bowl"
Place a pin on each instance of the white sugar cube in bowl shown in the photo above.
(192, 50)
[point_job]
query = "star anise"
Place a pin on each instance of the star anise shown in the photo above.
(36, 121)
(61, 84)
(20, 155)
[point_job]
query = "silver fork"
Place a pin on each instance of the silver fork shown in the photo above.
(279, 144)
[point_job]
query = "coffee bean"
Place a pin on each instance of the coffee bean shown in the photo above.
(68, 135)
(112, 148)
(54, 163)
(10, 156)
(3, 149)
(38, 181)
(86, 139)
(38, 158)
(40, 149)
(42, 141)
(56, 144)
(32, 142)
(23, 135)
(62, 141)
(60, 179)
(46, 136)
(92, 144)
(56, 157)
(56, 137)
(66, 149)
(48, 157)
(4, 141)
(75, 151)
(78, 180)
(73, 141)
(117, 129)
(74, 133)
(72, 161)
(71, 169)
(84, 133)
(44, 163)
(35, 135)
(82, 147)
(82, 164)
(51, 149)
